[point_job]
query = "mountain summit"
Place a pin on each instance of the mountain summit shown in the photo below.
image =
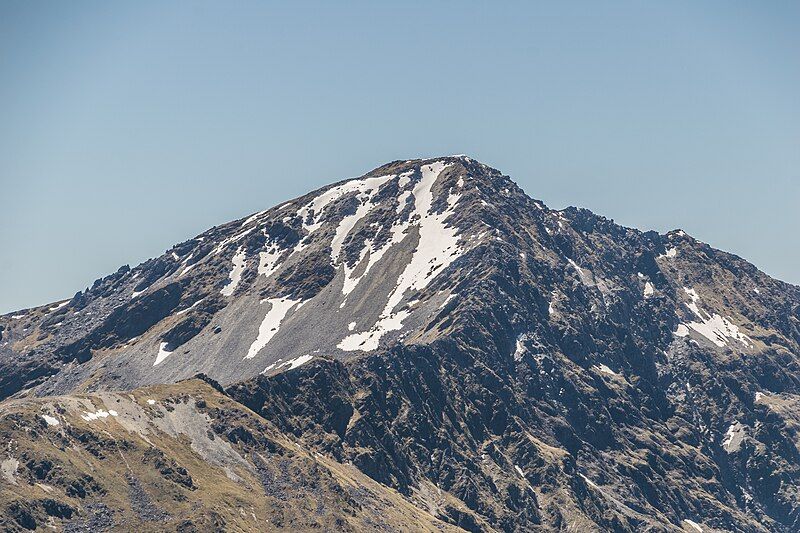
(501, 365)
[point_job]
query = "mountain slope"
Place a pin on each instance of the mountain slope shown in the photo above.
(436, 327)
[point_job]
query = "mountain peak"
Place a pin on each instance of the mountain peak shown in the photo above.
(428, 319)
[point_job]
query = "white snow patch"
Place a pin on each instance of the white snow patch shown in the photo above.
(151, 402)
(402, 200)
(291, 363)
(715, 328)
(279, 307)
(51, 421)
(17, 317)
(755, 290)
(671, 252)
(648, 289)
(589, 481)
(100, 413)
(268, 261)
(187, 269)
(694, 524)
(59, 306)
(163, 353)
(369, 340)
(235, 275)
(258, 215)
(230, 240)
(682, 330)
(585, 276)
(520, 350)
(182, 311)
(519, 471)
(604, 369)
(175, 256)
(733, 437)
(351, 326)
(298, 361)
(759, 395)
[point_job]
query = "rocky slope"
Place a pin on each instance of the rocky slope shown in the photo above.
(502, 365)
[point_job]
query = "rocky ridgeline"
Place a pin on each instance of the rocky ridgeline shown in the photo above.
(500, 364)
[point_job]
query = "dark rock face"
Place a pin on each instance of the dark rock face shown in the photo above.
(453, 338)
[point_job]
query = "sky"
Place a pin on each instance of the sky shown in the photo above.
(128, 127)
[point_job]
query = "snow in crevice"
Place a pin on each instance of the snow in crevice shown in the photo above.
(163, 353)
(714, 327)
(235, 275)
(436, 250)
(279, 307)
(671, 252)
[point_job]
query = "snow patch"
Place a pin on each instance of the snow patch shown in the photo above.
(182, 311)
(291, 363)
(163, 353)
(648, 289)
(604, 369)
(279, 307)
(671, 252)
(100, 413)
(51, 421)
(694, 525)
(59, 306)
(268, 261)
(733, 437)
(715, 328)
(235, 275)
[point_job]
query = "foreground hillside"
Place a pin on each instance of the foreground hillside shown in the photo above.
(178, 458)
(494, 363)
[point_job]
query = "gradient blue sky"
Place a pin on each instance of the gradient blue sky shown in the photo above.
(127, 128)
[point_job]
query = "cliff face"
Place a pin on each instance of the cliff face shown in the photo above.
(502, 365)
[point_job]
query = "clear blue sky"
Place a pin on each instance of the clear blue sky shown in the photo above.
(127, 127)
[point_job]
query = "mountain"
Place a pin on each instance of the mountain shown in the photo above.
(433, 335)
